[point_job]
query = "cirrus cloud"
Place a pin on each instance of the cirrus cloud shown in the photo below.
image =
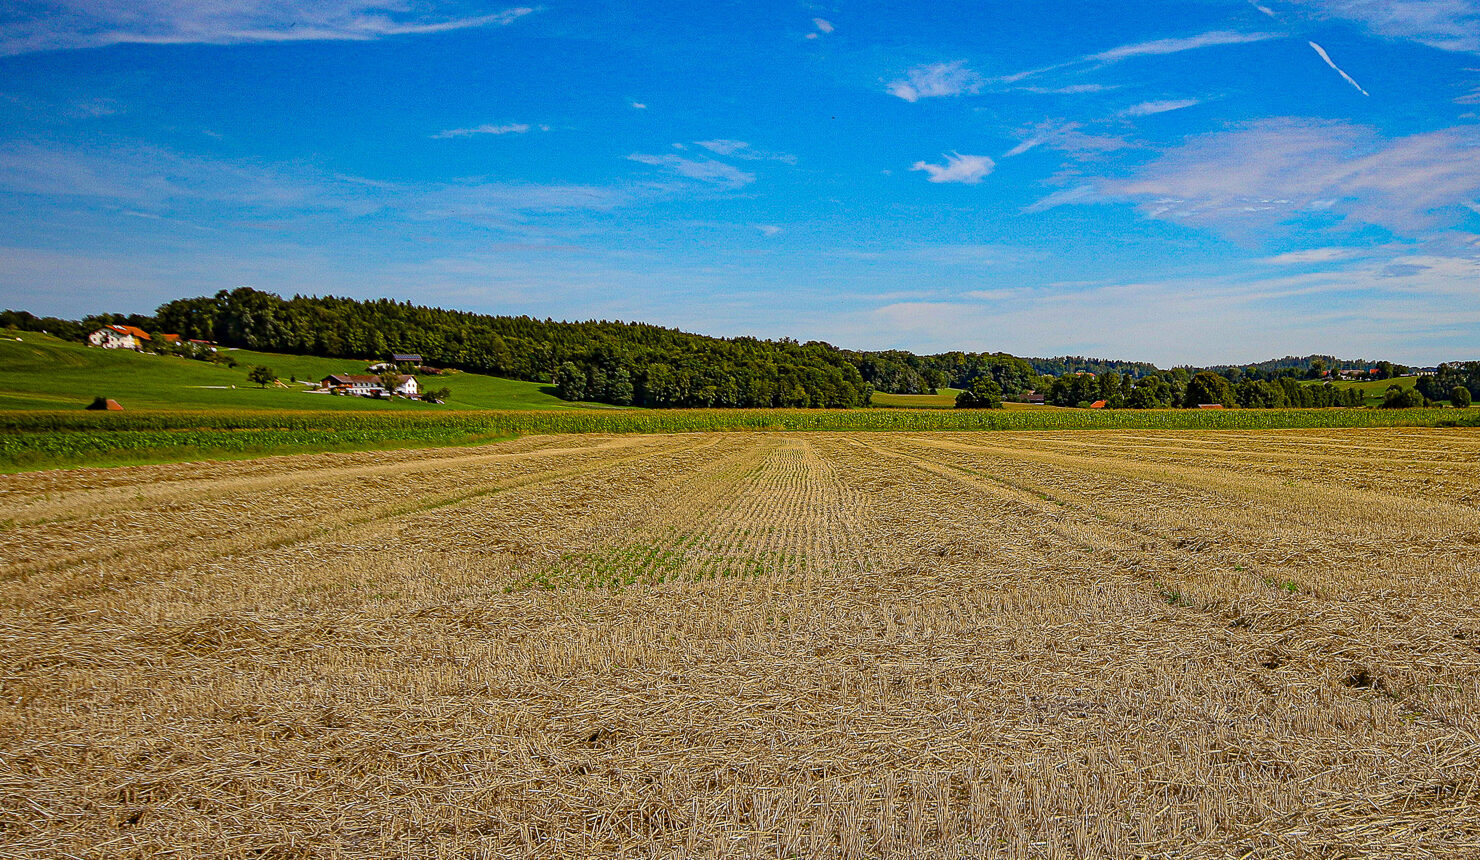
(705, 170)
(936, 80)
(69, 24)
(509, 128)
(1451, 25)
(1275, 171)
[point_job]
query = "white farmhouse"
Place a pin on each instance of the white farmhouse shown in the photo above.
(118, 337)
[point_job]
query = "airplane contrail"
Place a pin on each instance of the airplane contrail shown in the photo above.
(1327, 57)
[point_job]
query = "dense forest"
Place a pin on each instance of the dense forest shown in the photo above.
(646, 365)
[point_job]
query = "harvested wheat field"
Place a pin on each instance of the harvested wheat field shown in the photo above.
(1074, 644)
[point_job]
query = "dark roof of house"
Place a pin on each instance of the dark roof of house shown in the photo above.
(351, 379)
(400, 357)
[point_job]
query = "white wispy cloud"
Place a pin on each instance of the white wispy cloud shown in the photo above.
(1268, 172)
(1152, 48)
(65, 24)
(1310, 256)
(1156, 107)
(935, 80)
(768, 229)
(967, 169)
(1451, 25)
(155, 181)
(509, 128)
(1063, 197)
(1265, 9)
(638, 106)
(1067, 137)
(1069, 90)
(705, 170)
(823, 26)
(1161, 47)
(1327, 57)
(741, 149)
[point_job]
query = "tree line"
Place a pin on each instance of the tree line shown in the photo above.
(900, 372)
(1182, 388)
(609, 362)
(1453, 382)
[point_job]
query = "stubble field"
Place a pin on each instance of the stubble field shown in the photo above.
(1072, 644)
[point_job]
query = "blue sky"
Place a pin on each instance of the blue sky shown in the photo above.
(1196, 181)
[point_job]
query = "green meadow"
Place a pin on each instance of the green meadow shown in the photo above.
(944, 399)
(43, 372)
(1373, 389)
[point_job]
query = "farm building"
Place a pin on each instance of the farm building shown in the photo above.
(366, 386)
(119, 337)
(1210, 406)
(405, 358)
(349, 383)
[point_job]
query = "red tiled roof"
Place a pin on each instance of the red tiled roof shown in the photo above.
(133, 330)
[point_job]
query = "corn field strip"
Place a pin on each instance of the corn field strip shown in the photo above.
(834, 645)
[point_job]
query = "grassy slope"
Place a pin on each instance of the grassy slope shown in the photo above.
(946, 399)
(1374, 389)
(42, 372)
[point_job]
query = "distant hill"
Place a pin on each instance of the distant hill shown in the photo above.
(611, 362)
